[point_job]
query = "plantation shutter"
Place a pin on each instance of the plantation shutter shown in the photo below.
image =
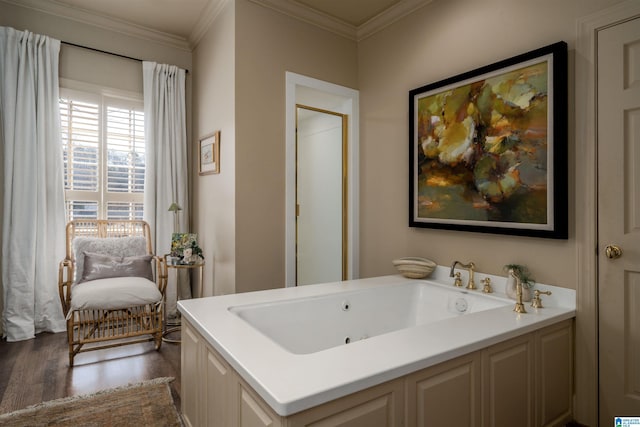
(104, 156)
(80, 126)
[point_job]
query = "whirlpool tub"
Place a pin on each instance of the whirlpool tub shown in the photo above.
(311, 324)
(301, 347)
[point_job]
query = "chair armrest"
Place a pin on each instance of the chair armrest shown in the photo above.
(161, 273)
(65, 279)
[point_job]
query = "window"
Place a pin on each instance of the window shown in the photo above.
(103, 142)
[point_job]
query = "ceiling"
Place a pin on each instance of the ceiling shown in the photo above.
(183, 18)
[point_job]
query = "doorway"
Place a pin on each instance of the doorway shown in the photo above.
(618, 94)
(321, 95)
(321, 196)
(606, 292)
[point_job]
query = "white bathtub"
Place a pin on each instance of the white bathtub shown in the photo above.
(312, 324)
(288, 344)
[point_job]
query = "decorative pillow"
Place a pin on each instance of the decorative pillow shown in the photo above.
(99, 266)
(114, 246)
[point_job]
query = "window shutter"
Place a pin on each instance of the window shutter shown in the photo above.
(124, 210)
(80, 139)
(125, 150)
(104, 155)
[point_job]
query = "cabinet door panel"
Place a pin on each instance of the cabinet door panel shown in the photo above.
(369, 414)
(382, 405)
(508, 389)
(190, 380)
(446, 394)
(555, 374)
(253, 413)
(216, 404)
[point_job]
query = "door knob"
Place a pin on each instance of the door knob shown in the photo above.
(613, 251)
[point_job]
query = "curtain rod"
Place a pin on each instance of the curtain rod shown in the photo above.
(104, 51)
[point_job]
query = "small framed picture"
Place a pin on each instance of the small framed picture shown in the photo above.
(209, 150)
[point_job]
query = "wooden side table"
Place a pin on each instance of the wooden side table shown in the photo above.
(178, 266)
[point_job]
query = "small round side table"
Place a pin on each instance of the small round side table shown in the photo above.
(178, 265)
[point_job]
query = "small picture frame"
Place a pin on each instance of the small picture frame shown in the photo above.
(209, 154)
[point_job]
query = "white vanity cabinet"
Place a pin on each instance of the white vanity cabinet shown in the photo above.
(524, 381)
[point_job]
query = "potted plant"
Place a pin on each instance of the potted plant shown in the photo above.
(525, 279)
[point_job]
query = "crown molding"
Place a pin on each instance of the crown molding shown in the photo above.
(51, 7)
(389, 16)
(311, 16)
(339, 27)
(209, 14)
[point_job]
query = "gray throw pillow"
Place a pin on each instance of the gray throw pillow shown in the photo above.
(100, 266)
(114, 246)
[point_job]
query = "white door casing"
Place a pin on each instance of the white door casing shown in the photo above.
(317, 93)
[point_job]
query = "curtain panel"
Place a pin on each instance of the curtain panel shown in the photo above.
(33, 224)
(166, 176)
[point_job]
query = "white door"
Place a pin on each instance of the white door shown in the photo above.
(618, 112)
(320, 196)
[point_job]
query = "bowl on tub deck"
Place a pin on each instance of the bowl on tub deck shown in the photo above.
(414, 267)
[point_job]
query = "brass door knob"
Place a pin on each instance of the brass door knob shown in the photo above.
(613, 251)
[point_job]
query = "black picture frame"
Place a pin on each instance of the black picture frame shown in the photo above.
(488, 148)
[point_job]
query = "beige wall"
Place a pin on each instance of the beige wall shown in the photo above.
(460, 36)
(238, 72)
(443, 39)
(84, 34)
(267, 45)
(214, 197)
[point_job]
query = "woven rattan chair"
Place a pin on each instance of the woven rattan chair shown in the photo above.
(122, 307)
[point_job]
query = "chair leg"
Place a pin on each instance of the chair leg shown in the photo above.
(158, 339)
(70, 341)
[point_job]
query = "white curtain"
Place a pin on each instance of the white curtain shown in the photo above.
(166, 177)
(33, 204)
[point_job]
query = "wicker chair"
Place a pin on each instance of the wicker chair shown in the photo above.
(113, 311)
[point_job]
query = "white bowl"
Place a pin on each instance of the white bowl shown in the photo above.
(414, 267)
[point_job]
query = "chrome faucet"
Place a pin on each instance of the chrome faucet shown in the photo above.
(471, 266)
(519, 307)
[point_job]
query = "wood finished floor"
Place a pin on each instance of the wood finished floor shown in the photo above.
(37, 370)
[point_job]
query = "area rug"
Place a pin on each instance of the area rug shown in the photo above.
(148, 403)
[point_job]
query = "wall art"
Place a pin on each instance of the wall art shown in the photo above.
(488, 148)
(209, 154)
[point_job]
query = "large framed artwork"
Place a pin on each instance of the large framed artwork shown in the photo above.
(488, 148)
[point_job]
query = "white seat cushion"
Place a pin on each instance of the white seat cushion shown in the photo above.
(114, 293)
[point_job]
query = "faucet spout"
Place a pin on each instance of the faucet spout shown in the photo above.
(453, 267)
(471, 267)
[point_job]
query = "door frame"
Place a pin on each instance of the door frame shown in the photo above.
(320, 94)
(586, 400)
(344, 185)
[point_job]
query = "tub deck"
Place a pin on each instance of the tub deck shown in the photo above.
(291, 382)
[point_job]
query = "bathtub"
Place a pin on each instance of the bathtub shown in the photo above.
(301, 347)
(312, 324)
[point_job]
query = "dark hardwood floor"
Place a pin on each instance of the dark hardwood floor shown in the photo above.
(37, 370)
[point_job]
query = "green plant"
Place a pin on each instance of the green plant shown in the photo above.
(182, 241)
(523, 273)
